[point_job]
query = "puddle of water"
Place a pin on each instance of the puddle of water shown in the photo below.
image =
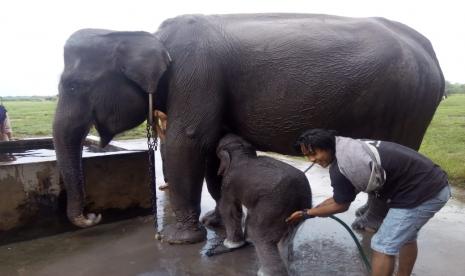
(32, 153)
(48, 154)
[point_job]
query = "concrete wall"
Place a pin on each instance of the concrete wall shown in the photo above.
(32, 194)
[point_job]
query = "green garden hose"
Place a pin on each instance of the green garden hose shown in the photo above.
(360, 249)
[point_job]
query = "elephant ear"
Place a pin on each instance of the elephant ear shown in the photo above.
(143, 59)
(225, 161)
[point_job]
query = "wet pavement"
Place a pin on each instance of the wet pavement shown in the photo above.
(321, 245)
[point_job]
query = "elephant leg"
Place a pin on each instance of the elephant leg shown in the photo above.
(185, 168)
(265, 232)
(163, 161)
(360, 211)
(270, 259)
(373, 217)
(213, 218)
(231, 212)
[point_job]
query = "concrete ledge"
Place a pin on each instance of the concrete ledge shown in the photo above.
(33, 197)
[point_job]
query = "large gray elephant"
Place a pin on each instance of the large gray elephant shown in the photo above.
(265, 77)
(271, 191)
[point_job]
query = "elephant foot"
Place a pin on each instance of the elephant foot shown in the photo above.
(163, 187)
(212, 219)
(187, 229)
(362, 210)
(179, 233)
(363, 223)
(232, 244)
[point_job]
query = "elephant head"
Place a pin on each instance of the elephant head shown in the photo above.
(105, 83)
(227, 144)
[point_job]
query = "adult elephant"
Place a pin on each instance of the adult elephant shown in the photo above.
(265, 77)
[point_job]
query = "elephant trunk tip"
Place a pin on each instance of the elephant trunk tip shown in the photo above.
(104, 141)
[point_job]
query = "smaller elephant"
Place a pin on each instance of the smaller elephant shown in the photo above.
(270, 190)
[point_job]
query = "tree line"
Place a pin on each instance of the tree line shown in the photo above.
(28, 98)
(454, 88)
(451, 88)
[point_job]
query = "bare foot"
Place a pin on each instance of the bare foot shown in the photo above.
(163, 187)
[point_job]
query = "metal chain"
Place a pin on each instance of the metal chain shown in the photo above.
(152, 143)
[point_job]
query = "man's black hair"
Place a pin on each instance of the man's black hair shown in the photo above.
(317, 138)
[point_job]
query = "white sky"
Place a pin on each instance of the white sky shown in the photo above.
(33, 32)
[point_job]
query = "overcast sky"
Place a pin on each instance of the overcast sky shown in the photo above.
(33, 32)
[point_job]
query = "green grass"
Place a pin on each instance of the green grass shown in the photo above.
(444, 141)
(34, 119)
(31, 118)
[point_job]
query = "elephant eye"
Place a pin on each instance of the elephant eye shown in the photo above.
(74, 85)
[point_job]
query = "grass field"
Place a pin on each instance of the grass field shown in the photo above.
(444, 141)
(34, 118)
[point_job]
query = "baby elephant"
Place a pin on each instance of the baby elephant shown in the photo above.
(270, 190)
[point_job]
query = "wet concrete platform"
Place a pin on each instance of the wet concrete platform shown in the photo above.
(321, 247)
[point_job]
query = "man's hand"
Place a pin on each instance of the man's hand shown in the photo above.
(160, 123)
(295, 217)
(298, 216)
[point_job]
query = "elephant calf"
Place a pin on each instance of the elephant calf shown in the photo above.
(270, 190)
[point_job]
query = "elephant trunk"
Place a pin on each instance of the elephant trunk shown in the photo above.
(69, 132)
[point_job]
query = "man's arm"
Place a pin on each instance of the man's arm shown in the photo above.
(328, 207)
(325, 202)
(324, 209)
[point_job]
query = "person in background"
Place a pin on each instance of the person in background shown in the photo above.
(161, 120)
(6, 133)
